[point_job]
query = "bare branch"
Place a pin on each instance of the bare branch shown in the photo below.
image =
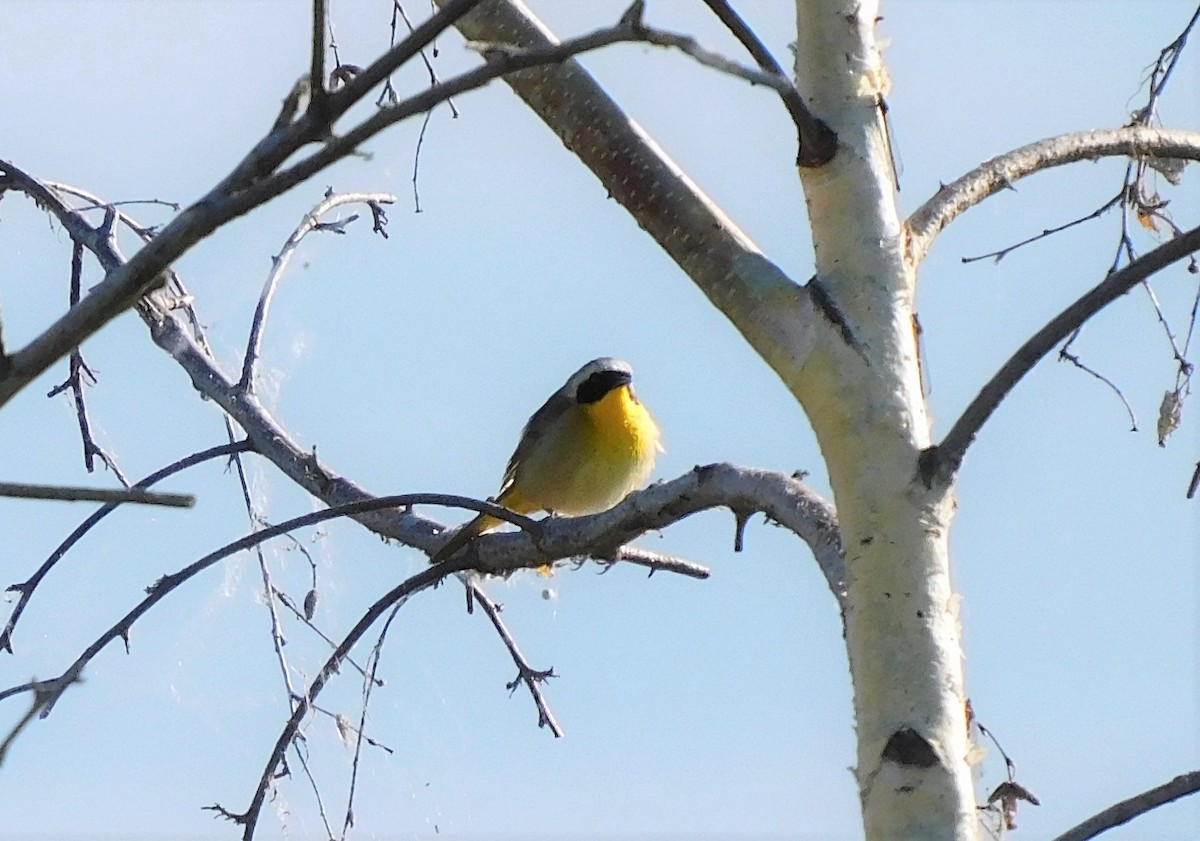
(944, 459)
(65, 493)
(526, 674)
(27, 587)
(279, 263)
(1139, 804)
(1003, 171)
(394, 598)
(169, 583)
(817, 142)
(127, 283)
(255, 180)
(316, 75)
(764, 304)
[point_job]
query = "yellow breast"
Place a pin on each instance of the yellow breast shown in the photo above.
(591, 459)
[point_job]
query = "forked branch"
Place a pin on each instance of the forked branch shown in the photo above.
(258, 177)
(941, 462)
(767, 307)
(817, 141)
(1003, 171)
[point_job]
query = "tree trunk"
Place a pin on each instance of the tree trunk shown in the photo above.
(861, 389)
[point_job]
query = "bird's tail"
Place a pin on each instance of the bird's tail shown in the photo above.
(463, 536)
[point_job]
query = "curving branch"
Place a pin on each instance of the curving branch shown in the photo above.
(54, 688)
(784, 499)
(769, 309)
(941, 462)
(394, 598)
(26, 588)
(1139, 804)
(1003, 171)
(817, 142)
(311, 222)
(125, 285)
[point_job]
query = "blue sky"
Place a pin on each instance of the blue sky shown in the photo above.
(691, 708)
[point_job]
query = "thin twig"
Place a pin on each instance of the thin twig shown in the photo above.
(300, 752)
(944, 459)
(1001, 253)
(526, 674)
(27, 587)
(1065, 356)
(278, 641)
(417, 162)
(369, 683)
(65, 493)
(655, 561)
(1002, 172)
(77, 370)
(311, 222)
(398, 10)
(287, 602)
(1168, 57)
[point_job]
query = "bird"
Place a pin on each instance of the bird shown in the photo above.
(582, 452)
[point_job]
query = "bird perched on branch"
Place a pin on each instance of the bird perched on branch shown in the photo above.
(582, 452)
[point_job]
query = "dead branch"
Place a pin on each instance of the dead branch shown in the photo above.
(526, 674)
(942, 461)
(817, 142)
(767, 307)
(1139, 804)
(1003, 171)
(311, 222)
(27, 587)
(65, 493)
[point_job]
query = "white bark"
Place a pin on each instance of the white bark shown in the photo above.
(869, 415)
(769, 309)
(862, 396)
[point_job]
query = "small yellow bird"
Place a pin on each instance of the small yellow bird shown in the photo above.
(582, 452)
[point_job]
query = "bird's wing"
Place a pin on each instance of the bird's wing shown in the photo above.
(539, 422)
